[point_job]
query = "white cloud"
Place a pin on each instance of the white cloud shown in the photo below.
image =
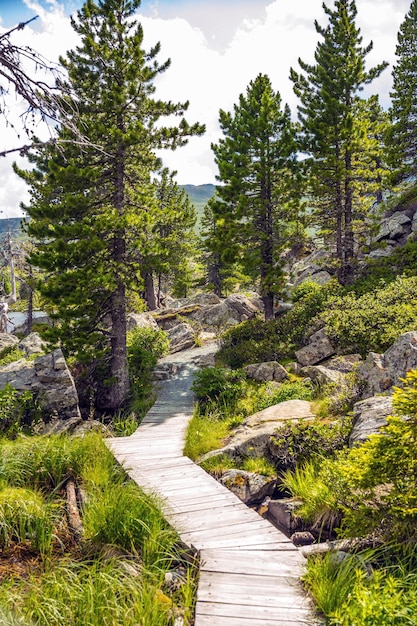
(211, 70)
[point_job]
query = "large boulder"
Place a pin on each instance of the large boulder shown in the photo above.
(394, 227)
(251, 439)
(48, 376)
(318, 349)
(380, 372)
(231, 311)
(263, 372)
(368, 417)
(181, 337)
(33, 344)
(141, 320)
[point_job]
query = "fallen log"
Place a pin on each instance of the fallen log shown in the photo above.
(73, 515)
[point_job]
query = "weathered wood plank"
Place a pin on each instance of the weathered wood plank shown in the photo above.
(265, 584)
(246, 611)
(209, 620)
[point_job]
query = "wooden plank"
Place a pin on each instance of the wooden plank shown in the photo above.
(235, 542)
(265, 584)
(286, 616)
(208, 620)
(288, 565)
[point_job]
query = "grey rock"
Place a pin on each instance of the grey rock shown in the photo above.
(321, 278)
(59, 426)
(394, 226)
(141, 320)
(318, 349)
(248, 486)
(49, 376)
(252, 438)
(233, 310)
(379, 372)
(181, 337)
(321, 375)
(369, 416)
(33, 344)
(7, 341)
(283, 514)
(301, 538)
(263, 372)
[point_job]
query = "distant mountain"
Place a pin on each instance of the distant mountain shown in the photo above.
(199, 195)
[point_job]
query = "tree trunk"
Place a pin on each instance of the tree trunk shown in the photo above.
(150, 292)
(119, 366)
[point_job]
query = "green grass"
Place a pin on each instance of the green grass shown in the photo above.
(91, 583)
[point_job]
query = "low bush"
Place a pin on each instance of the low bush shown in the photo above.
(373, 321)
(256, 341)
(296, 443)
(18, 410)
(217, 385)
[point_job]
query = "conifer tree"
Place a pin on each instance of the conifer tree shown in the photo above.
(169, 240)
(258, 197)
(329, 95)
(402, 137)
(90, 204)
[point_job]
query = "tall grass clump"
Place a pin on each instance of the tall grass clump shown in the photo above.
(122, 515)
(46, 462)
(88, 594)
(25, 517)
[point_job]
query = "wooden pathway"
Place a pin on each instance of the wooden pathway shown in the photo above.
(250, 572)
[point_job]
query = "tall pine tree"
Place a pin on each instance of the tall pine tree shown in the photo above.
(257, 199)
(403, 133)
(90, 204)
(329, 94)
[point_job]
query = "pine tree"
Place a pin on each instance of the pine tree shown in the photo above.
(402, 137)
(169, 240)
(258, 198)
(328, 91)
(90, 204)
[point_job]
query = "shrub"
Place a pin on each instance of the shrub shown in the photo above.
(17, 409)
(256, 341)
(25, 516)
(375, 320)
(297, 390)
(217, 385)
(144, 347)
(296, 443)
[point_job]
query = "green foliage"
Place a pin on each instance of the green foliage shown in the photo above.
(25, 516)
(371, 487)
(207, 431)
(340, 132)
(331, 582)
(217, 385)
(256, 341)
(18, 410)
(121, 515)
(402, 149)
(378, 272)
(296, 390)
(11, 354)
(374, 320)
(144, 347)
(297, 443)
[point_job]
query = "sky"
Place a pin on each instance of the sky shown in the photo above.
(216, 48)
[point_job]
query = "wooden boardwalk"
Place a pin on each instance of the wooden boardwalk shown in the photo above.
(250, 572)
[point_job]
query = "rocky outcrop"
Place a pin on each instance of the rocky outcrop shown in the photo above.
(141, 320)
(318, 349)
(312, 267)
(47, 376)
(369, 416)
(231, 311)
(380, 372)
(251, 439)
(181, 337)
(263, 372)
(332, 370)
